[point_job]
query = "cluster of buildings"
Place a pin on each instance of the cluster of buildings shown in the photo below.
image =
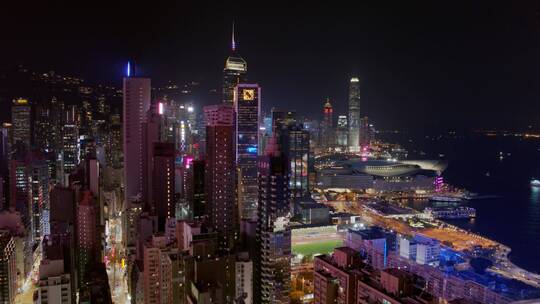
(207, 211)
(138, 195)
(380, 266)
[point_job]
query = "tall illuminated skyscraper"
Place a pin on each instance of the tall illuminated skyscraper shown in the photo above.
(247, 103)
(328, 135)
(354, 115)
(21, 121)
(272, 259)
(70, 137)
(220, 173)
(136, 103)
(233, 73)
(341, 132)
(294, 141)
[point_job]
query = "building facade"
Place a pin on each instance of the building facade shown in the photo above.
(272, 260)
(354, 115)
(220, 173)
(136, 92)
(247, 101)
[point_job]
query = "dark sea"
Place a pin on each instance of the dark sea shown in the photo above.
(499, 166)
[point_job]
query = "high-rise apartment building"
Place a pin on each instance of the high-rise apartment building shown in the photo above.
(163, 178)
(157, 277)
(220, 172)
(86, 234)
(54, 282)
(272, 260)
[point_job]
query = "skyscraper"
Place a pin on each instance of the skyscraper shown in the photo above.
(233, 73)
(136, 104)
(282, 119)
(247, 103)
(328, 134)
(21, 121)
(341, 132)
(39, 189)
(354, 115)
(294, 141)
(272, 258)
(164, 204)
(196, 188)
(365, 132)
(86, 233)
(19, 190)
(220, 172)
(70, 136)
(151, 130)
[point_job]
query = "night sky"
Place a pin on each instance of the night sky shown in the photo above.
(423, 66)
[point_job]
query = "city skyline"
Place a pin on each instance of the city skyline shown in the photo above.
(404, 66)
(321, 155)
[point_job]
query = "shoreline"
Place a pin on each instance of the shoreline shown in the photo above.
(502, 265)
(503, 261)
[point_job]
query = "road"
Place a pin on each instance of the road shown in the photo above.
(25, 293)
(115, 255)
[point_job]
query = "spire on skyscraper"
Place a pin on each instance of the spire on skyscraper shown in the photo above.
(128, 69)
(233, 43)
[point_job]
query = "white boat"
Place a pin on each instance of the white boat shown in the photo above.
(444, 198)
(535, 182)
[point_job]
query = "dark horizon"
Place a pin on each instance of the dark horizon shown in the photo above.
(422, 66)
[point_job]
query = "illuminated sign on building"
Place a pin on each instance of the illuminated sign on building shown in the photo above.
(248, 94)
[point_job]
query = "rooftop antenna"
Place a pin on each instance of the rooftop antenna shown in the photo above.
(233, 43)
(128, 69)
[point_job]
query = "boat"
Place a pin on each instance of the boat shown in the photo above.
(450, 213)
(445, 198)
(535, 182)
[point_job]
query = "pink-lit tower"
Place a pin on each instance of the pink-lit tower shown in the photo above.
(220, 174)
(136, 92)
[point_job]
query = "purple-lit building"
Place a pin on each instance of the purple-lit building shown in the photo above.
(137, 93)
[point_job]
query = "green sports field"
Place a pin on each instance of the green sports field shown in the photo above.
(316, 248)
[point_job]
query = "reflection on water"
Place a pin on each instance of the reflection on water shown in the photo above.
(535, 194)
